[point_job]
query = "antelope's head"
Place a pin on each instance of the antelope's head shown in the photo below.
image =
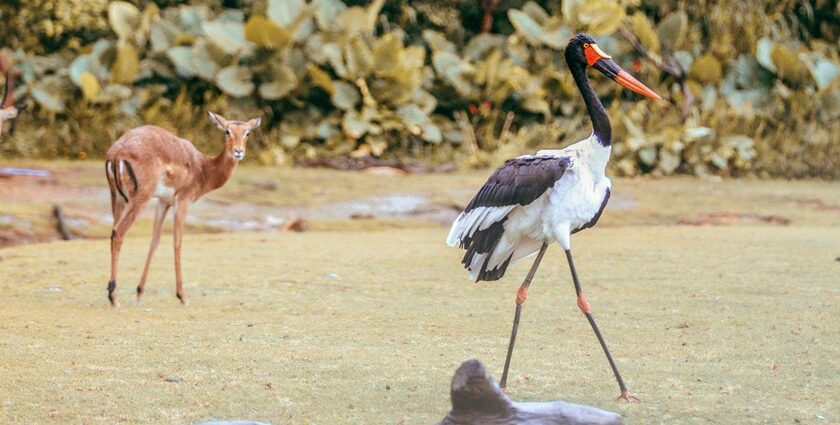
(236, 134)
(8, 109)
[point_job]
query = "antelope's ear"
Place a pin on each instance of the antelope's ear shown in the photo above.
(254, 123)
(217, 119)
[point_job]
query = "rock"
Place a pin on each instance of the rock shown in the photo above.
(477, 399)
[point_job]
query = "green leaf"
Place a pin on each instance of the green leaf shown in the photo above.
(359, 59)
(126, 64)
(671, 30)
(825, 71)
(345, 95)
(265, 33)
(235, 81)
(284, 82)
(455, 71)
(228, 35)
(285, 13)
(320, 78)
(763, 51)
(203, 63)
(162, 35)
(81, 64)
(525, 25)
(45, 93)
(388, 53)
(354, 124)
(124, 18)
(437, 41)
(706, 69)
(327, 11)
(788, 64)
(353, 21)
(89, 85)
(601, 17)
(536, 12)
(643, 29)
(181, 57)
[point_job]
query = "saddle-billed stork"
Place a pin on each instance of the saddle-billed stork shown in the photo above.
(534, 200)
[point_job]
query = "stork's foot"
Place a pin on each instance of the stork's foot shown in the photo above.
(628, 397)
(139, 300)
(184, 301)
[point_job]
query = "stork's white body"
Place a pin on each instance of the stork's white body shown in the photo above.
(572, 202)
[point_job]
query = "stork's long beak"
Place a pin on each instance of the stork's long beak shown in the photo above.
(611, 69)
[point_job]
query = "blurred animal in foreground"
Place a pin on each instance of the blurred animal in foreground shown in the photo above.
(534, 200)
(150, 162)
(8, 109)
(476, 399)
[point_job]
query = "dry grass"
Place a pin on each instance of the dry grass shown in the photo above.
(714, 324)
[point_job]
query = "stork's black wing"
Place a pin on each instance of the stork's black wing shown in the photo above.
(520, 181)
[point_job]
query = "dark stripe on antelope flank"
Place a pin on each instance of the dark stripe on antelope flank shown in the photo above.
(520, 181)
(117, 182)
(131, 174)
(597, 216)
(483, 242)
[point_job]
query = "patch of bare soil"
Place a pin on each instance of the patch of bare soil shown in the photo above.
(716, 219)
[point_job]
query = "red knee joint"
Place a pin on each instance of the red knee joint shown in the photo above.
(583, 304)
(521, 295)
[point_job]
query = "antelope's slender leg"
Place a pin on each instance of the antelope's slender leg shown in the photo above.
(129, 216)
(178, 233)
(587, 311)
(521, 296)
(160, 216)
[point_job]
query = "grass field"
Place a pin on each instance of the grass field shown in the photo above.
(729, 318)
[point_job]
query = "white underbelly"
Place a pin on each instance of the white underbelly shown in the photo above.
(164, 193)
(576, 204)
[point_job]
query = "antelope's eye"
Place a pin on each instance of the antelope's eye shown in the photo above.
(247, 133)
(227, 131)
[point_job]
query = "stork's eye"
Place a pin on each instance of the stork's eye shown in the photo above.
(585, 45)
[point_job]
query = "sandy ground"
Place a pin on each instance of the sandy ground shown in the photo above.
(729, 317)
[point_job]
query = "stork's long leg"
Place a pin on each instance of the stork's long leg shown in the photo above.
(521, 295)
(587, 311)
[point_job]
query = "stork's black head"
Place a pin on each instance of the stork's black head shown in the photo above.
(575, 53)
(583, 51)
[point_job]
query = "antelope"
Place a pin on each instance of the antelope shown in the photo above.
(8, 109)
(150, 162)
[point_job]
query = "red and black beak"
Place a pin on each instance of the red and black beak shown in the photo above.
(601, 61)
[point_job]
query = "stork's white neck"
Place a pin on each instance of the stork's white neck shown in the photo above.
(589, 154)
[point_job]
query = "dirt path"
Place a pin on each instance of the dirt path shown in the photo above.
(263, 199)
